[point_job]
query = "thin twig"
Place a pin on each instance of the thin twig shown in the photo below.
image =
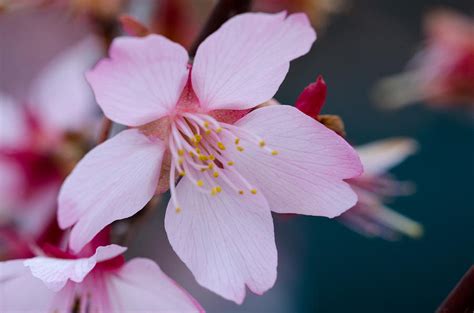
(461, 298)
(223, 10)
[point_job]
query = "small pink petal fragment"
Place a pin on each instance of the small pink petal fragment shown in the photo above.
(55, 273)
(380, 156)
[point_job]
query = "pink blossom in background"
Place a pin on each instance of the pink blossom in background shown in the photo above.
(442, 73)
(234, 170)
(370, 216)
(95, 280)
(41, 135)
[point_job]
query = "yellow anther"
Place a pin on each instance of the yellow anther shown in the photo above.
(182, 173)
(241, 192)
(221, 145)
(200, 183)
(180, 152)
(215, 174)
(207, 131)
(237, 141)
(240, 148)
(198, 150)
(180, 161)
(212, 157)
(191, 154)
(206, 124)
(261, 143)
(203, 157)
(213, 191)
(230, 163)
(274, 152)
(203, 169)
(211, 166)
(178, 210)
(253, 191)
(218, 129)
(197, 138)
(218, 188)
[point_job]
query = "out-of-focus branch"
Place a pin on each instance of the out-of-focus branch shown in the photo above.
(461, 298)
(223, 10)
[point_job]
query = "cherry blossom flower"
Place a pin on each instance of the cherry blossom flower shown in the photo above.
(442, 73)
(40, 140)
(89, 282)
(370, 216)
(234, 169)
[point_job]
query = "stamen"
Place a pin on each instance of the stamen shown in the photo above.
(221, 145)
(202, 159)
(172, 182)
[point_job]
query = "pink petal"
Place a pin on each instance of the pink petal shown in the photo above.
(60, 96)
(113, 181)
(380, 156)
(306, 177)
(20, 291)
(142, 80)
(227, 240)
(141, 286)
(55, 273)
(244, 62)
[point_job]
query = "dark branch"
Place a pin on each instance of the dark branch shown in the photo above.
(223, 10)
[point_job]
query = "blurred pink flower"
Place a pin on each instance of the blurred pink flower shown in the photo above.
(442, 73)
(370, 216)
(36, 140)
(236, 171)
(89, 282)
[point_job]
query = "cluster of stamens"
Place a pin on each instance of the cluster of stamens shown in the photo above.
(199, 153)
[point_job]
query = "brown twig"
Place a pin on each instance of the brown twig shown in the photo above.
(461, 298)
(223, 10)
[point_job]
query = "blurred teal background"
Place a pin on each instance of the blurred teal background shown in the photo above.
(325, 267)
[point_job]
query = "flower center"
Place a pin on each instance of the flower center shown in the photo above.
(196, 143)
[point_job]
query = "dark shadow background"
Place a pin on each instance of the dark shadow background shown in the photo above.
(325, 267)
